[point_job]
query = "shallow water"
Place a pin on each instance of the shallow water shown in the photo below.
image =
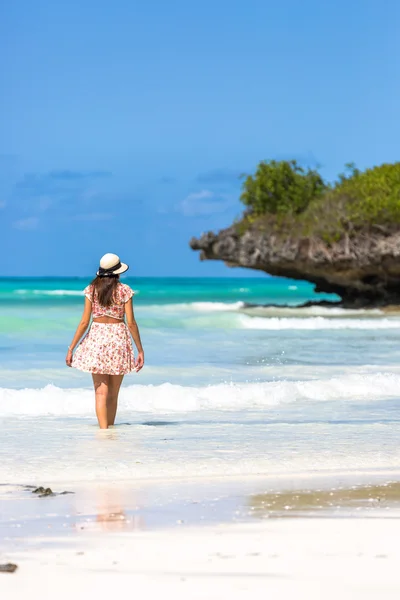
(226, 390)
(34, 521)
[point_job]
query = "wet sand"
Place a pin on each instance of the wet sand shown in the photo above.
(204, 540)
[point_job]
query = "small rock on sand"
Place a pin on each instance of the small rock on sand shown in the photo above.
(8, 568)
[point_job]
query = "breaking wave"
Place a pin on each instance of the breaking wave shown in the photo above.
(169, 398)
(49, 292)
(274, 323)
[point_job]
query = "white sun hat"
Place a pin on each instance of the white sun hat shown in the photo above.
(110, 264)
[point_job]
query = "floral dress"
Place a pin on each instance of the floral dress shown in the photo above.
(107, 347)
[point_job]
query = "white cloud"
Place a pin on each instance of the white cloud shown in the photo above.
(3, 204)
(27, 224)
(201, 195)
(204, 202)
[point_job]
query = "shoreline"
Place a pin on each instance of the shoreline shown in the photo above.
(156, 543)
(162, 504)
(367, 476)
(328, 533)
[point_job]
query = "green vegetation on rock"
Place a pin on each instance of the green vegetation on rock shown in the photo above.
(281, 187)
(288, 199)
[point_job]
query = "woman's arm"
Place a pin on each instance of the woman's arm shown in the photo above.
(134, 330)
(83, 325)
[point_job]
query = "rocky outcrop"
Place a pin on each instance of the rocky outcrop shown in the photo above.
(363, 270)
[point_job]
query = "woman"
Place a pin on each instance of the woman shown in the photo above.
(106, 351)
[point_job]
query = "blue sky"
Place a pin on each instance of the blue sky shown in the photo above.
(124, 125)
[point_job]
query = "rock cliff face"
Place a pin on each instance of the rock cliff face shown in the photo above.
(364, 270)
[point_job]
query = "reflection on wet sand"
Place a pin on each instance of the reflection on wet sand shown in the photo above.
(333, 501)
(119, 521)
(110, 512)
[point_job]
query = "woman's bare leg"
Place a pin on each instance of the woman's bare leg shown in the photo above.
(101, 387)
(112, 400)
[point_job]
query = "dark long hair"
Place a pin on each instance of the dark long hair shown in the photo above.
(105, 288)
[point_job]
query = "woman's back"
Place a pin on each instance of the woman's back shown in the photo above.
(116, 310)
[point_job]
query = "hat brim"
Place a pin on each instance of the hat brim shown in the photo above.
(121, 269)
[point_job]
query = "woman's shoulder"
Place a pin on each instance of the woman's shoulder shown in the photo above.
(88, 291)
(126, 291)
(124, 286)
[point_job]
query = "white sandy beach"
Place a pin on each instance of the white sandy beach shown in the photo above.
(180, 539)
(286, 558)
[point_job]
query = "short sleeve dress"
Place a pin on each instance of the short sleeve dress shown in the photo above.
(107, 347)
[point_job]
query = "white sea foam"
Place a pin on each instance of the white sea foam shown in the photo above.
(168, 398)
(50, 292)
(269, 315)
(276, 323)
(60, 292)
(198, 306)
(275, 317)
(216, 306)
(310, 311)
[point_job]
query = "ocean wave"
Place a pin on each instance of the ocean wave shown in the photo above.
(198, 306)
(276, 323)
(23, 292)
(49, 292)
(311, 311)
(266, 313)
(169, 398)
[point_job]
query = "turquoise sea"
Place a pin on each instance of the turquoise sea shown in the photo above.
(226, 388)
(194, 330)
